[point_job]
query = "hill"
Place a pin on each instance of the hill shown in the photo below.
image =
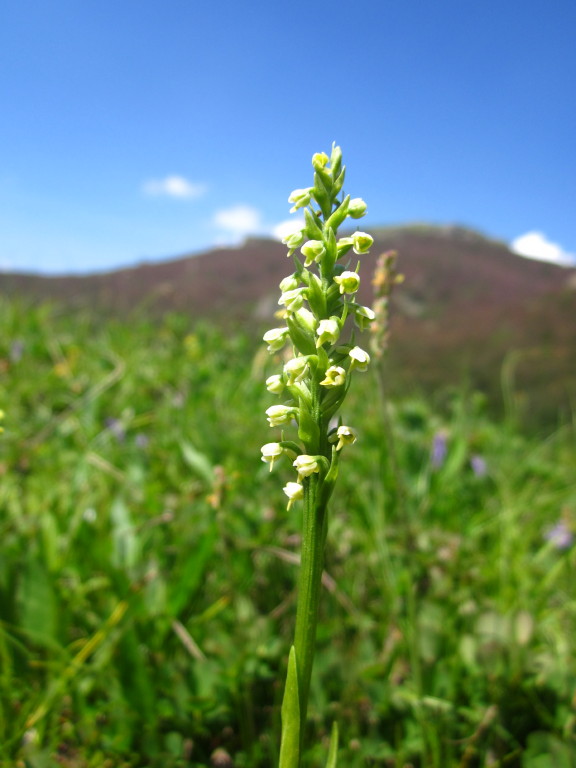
(467, 308)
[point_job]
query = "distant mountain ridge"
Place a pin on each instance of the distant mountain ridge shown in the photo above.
(451, 264)
(466, 303)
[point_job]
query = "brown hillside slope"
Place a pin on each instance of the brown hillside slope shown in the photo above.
(444, 267)
(467, 304)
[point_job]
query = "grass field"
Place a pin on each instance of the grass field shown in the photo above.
(148, 564)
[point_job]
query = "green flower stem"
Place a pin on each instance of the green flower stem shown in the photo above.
(314, 531)
(309, 586)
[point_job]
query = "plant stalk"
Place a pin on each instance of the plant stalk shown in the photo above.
(309, 586)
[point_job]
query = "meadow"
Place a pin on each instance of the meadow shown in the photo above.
(148, 563)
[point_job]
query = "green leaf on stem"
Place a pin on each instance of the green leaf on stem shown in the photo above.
(326, 176)
(290, 743)
(316, 296)
(336, 159)
(339, 181)
(303, 337)
(333, 749)
(339, 215)
(330, 478)
(322, 195)
(313, 226)
(308, 429)
(329, 258)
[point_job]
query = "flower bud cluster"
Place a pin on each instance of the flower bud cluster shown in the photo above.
(318, 299)
(384, 280)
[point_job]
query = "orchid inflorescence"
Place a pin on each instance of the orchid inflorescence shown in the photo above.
(316, 300)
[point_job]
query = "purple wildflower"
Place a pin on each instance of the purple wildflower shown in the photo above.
(16, 350)
(439, 449)
(560, 535)
(141, 440)
(114, 426)
(479, 466)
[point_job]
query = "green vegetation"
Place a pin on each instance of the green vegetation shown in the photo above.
(147, 569)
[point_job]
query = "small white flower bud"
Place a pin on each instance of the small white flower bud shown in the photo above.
(359, 359)
(289, 283)
(276, 338)
(363, 316)
(292, 300)
(300, 198)
(295, 369)
(349, 282)
(345, 436)
(294, 491)
(306, 466)
(357, 208)
(362, 242)
(271, 452)
(294, 240)
(275, 384)
(319, 160)
(313, 250)
(280, 414)
(335, 377)
(328, 331)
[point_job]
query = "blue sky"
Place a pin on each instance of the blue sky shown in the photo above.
(141, 130)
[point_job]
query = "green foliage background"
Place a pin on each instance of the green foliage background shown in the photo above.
(148, 564)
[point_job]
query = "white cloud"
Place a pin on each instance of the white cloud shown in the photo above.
(173, 186)
(239, 221)
(535, 245)
(287, 227)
